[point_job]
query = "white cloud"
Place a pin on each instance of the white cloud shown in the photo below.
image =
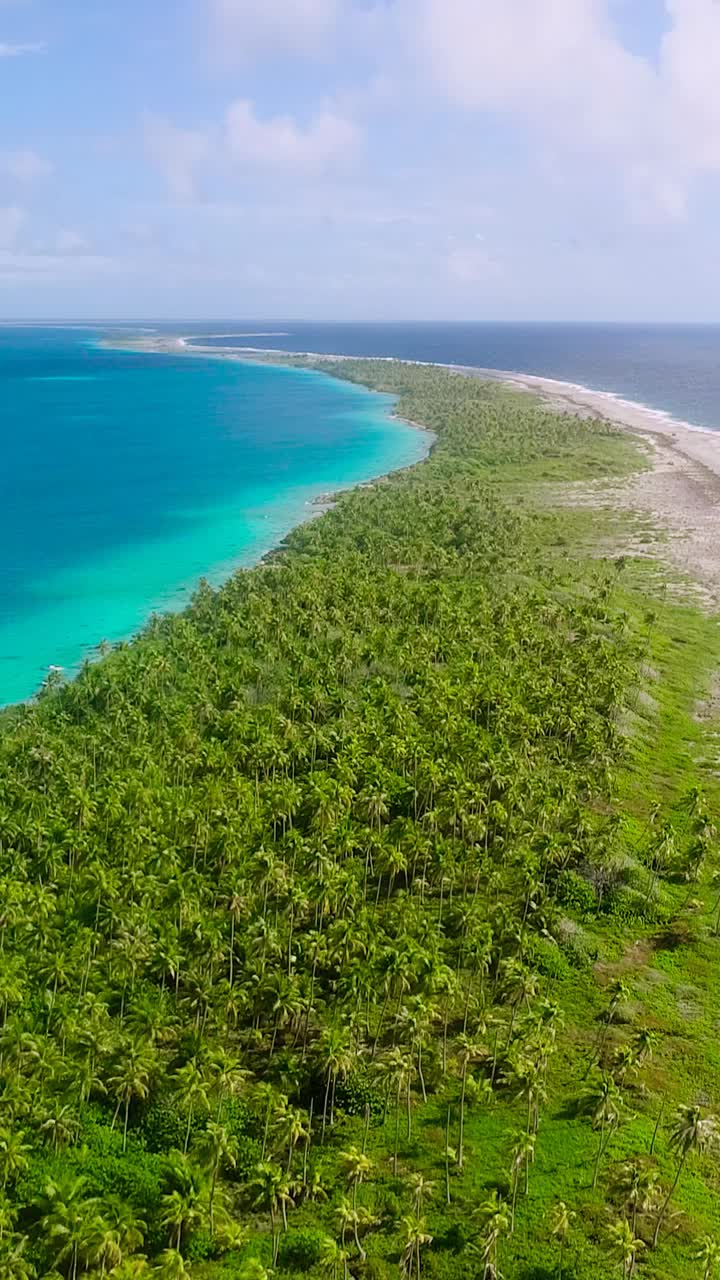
(280, 143)
(50, 268)
(177, 153)
(472, 265)
(552, 64)
(23, 165)
(561, 70)
(19, 50)
(12, 219)
(71, 242)
(244, 28)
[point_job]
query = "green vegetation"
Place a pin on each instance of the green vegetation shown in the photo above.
(363, 919)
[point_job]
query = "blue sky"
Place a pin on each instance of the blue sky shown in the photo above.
(360, 159)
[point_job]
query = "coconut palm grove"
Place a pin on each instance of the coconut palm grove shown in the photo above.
(363, 919)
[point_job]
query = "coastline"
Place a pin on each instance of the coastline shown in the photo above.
(562, 396)
(680, 489)
(437, 619)
(237, 533)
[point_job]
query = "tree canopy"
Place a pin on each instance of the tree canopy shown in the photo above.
(292, 890)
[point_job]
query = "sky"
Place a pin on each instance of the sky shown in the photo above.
(360, 159)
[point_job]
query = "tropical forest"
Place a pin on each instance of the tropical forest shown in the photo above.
(363, 919)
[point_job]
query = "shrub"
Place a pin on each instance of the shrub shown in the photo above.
(235, 1115)
(248, 1153)
(387, 1204)
(302, 1249)
(200, 1247)
(572, 891)
(163, 1127)
(631, 906)
(358, 1092)
(546, 957)
(579, 950)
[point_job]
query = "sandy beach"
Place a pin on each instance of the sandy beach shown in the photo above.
(680, 490)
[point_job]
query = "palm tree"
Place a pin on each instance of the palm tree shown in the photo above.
(357, 1166)
(218, 1147)
(417, 1237)
(644, 1042)
(348, 1217)
(185, 1204)
(624, 1061)
(561, 1226)
(604, 1101)
(626, 1245)
(171, 1266)
(131, 1079)
(336, 1058)
(638, 1183)
(709, 1255)
(522, 1157)
(395, 1070)
(496, 1224)
(14, 1265)
(422, 1190)
(193, 1089)
(469, 1051)
(293, 1127)
(13, 1154)
(60, 1123)
(692, 1131)
(120, 1232)
(69, 1221)
(252, 1269)
(8, 1217)
(332, 1257)
(267, 1183)
(619, 994)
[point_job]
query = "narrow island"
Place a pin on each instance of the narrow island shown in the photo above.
(362, 920)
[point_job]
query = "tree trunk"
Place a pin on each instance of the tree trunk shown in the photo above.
(211, 1202)
(447, 1158)
(397, 1129)
(187, 1131)
(462, 1119)
(598, 1156)
(671, 1193)
(366, 1132)
(325, 1107)
(332, 1100)
(380, 1024)
(657, 1127)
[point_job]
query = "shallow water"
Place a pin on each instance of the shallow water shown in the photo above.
(127, 478)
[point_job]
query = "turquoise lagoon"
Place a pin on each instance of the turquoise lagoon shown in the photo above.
(127, 478)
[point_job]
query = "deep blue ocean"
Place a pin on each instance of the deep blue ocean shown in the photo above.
(126, 478)
(675, 368)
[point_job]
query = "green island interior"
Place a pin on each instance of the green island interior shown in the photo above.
(362, 920)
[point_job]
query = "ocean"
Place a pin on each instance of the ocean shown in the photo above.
(674, 368)
(127, 478)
